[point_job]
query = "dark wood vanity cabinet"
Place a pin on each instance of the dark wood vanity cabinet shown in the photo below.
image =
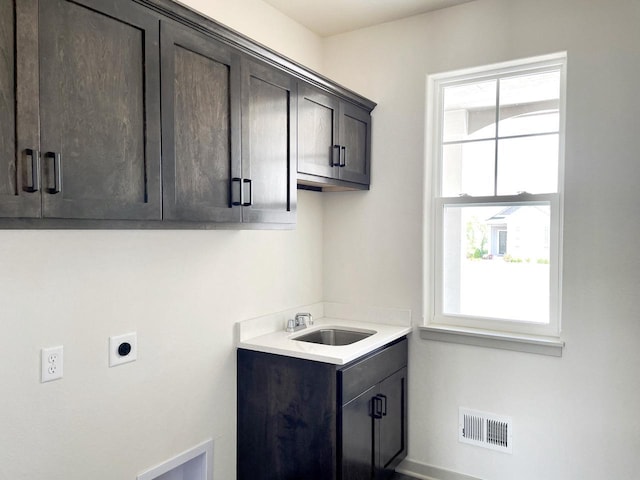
(301, 419)
(334, 146)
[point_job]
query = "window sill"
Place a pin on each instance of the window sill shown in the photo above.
(551, 346)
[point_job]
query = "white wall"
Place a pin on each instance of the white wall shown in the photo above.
(266, 25)
(575, 417)
(182, 291)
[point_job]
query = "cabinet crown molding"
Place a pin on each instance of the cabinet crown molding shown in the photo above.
(208, 26)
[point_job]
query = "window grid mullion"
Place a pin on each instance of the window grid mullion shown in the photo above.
(497, 133)
(506, 137)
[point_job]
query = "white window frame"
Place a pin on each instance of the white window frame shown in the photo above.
(513, 335)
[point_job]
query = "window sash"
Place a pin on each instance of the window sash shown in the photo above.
(435, 121)
(516, 326)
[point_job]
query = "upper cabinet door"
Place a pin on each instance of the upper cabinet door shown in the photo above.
(334, 140)
(355, 144)
(19, 128)
(200, 127)
(269, 131)
(318, 149)
(99, 107)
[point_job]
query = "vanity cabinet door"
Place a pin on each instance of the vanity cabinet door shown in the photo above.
(356, 439)
(390, 429)
(99, 110)
(200, 127)
(374, 430)
(19, 115)
(373, 425)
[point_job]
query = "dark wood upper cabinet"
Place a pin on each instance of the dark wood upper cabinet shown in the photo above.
(19, 127)
(269, 128)
(99, 110)
(80, 135)
(334, 141)
(355, 144)
(318, 115)
(144, 114)
(200, 127)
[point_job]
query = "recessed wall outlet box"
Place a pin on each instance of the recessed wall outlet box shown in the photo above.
(52, 363)
(194, 464)
(123, 349)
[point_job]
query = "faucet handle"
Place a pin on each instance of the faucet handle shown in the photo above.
(304, 319)
(291, 325)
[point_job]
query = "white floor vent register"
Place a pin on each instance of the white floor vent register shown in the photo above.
(485, 430)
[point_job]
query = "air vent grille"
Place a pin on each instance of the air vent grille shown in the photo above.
(485, 430)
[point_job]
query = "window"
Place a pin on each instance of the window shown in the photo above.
(495, 141)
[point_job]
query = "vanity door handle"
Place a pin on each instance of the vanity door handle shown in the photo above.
(343, 156)
(35, 170)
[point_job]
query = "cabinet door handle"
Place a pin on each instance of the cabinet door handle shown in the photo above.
(231, 202)
(250, 202)
(333, 156)
(343, 156)
(57, 172)
(35, 170)
(376, 407)
(384, 401)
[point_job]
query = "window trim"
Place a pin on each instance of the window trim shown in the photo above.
(473, 330)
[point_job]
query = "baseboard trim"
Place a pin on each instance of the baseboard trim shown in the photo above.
(429, 472)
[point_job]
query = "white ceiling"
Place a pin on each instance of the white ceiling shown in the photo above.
(329, 17)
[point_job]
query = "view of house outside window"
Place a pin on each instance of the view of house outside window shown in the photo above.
(497, 136)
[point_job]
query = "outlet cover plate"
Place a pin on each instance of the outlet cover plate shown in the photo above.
(52, 361)
(115, 358)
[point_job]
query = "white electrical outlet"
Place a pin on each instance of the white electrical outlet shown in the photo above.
(123, 349)
(52, 360)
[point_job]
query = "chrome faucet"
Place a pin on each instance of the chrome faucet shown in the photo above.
(302, 316)
(301, 320)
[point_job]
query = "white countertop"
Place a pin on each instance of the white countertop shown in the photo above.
(282, 342)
